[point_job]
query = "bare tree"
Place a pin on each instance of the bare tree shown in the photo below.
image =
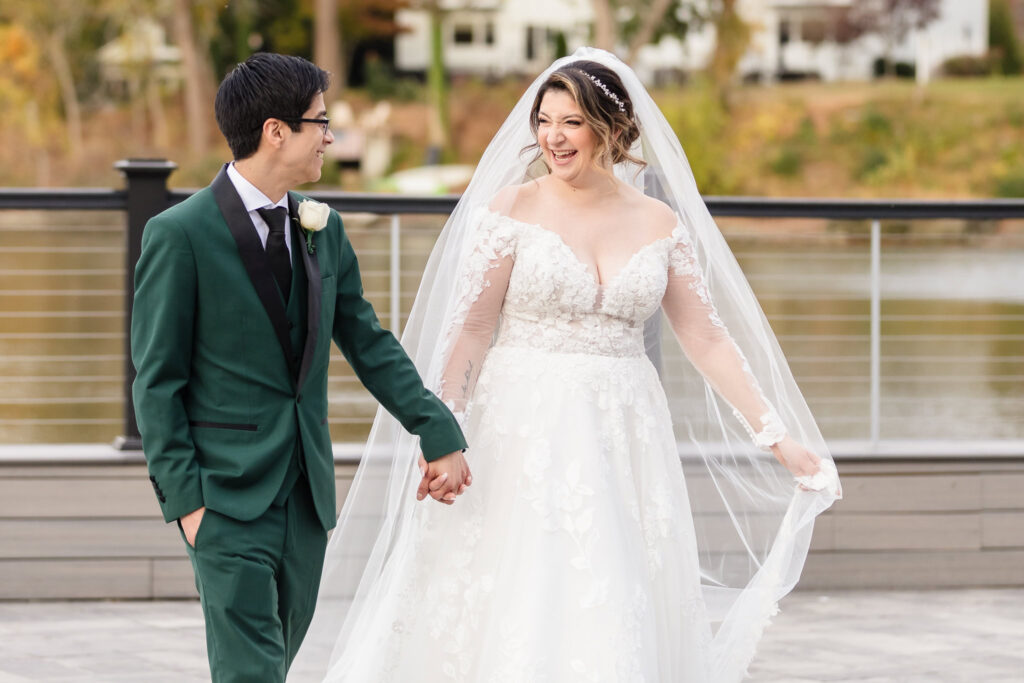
(605, 28)
(367, 19)
(732, 36)
(327, 46)
(438, 85)
(653, 17)
(890, 19)
(195, 62)
(57, 54)
(637, 23)
(438, 122)
(52, 24)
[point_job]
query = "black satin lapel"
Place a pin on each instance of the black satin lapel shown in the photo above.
(254, 258)
(313, 293)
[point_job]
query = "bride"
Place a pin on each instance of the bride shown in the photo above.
(596, 543)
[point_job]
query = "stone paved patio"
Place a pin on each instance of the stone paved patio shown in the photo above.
(970, 636)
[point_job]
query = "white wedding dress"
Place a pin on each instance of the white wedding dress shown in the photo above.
(573, 555)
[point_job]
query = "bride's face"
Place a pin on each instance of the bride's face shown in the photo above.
(566, 140)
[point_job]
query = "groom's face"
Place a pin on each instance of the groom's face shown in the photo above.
(302, 155)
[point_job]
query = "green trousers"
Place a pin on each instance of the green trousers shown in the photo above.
(258, 583)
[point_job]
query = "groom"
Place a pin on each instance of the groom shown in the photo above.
(238, 293)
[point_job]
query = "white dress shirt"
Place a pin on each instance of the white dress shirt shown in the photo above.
(253, 199)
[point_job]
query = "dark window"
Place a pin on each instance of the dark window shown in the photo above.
(531, 48)
(489, 33)
(463, 34)
(783, 31)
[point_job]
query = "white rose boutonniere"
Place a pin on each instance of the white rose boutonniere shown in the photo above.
(313, 218)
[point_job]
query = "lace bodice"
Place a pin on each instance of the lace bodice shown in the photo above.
(524, 282)
(553, 301)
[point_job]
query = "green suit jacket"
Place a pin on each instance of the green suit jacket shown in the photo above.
(223, 401)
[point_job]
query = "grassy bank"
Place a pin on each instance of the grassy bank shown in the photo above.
(953, 139)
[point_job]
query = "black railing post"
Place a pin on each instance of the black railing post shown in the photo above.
(146, 196)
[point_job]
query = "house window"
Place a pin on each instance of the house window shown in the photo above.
(531, 45)
(489, 33)
(783, 31)
(463, 34)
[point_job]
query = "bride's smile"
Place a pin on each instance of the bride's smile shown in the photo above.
(568, 143)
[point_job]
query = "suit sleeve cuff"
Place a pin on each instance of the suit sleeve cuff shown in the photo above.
(181, 505)
(438, 445)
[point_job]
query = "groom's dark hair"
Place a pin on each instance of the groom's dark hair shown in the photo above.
(265, 86)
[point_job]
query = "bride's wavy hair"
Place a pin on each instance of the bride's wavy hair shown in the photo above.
(602, 98)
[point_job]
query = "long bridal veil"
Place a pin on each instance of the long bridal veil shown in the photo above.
(753, 523)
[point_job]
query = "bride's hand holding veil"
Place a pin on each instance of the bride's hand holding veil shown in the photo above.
(811, 472)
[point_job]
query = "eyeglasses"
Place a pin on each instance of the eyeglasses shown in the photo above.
(325, 124)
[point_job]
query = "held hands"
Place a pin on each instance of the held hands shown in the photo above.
(811, 472)
(444, 478)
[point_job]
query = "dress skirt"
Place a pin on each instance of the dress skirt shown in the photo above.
(571, 558)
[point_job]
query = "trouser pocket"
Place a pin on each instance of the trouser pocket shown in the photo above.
(203, 523)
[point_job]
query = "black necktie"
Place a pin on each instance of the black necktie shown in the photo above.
(277, 249)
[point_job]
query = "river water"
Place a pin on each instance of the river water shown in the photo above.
(952, 342)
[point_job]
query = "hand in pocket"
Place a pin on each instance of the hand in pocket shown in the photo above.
(190, 525)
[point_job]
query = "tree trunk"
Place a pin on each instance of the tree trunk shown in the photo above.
(62, 70)
(731, 40)
(157, 116)
(438, 88)
(604, 25)
(327, 42)
(195, 79)
(648, 26)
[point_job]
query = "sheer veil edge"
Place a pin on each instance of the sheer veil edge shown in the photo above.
(753, 524)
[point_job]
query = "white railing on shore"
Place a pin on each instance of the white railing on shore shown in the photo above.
(840, 281)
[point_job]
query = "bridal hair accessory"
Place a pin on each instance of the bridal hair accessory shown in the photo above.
(313, 217)
(604, 88)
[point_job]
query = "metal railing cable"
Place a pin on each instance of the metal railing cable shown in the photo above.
(902, 320)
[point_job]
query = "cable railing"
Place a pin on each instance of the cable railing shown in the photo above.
(903, 321)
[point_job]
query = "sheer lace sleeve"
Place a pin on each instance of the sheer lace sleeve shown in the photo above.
(482, 286)
(711, 349)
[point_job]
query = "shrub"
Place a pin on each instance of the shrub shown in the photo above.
(382, 83)
(968, 66)
(788, 162)
(1011, 183)
(1002, 39)
(700, 121)
(875, 125)
(884, 67)
(872, 159)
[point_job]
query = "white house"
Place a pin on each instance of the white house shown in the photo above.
(493, 37)
(789, 38)
(798, 38)
(141, 52)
